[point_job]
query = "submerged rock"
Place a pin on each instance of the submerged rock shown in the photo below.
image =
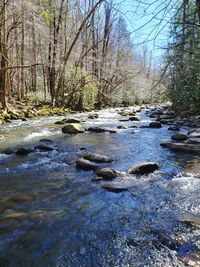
(23, 151)
(144, 168)
(72, 120)
(181, 147)
(44, 148)
(86, 164)
(46, 141)
(179, 137)
(114, 188)
(97, 157)
(174, 128)
(155, 124)
(106, 173)
(73, 128)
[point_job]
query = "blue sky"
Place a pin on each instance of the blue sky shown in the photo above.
(148, 21)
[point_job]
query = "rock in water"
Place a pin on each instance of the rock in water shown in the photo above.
(144, 168)
(194, 133)
(193, 141)
(107, 173)
(181, 147)
(174, 128)
(179, 137)
(134, 119)
(93, 116)
(23, 151)
(97, 158)
(73, 128)
(72, 120)
(100, 130)
(60, 122)
(114, 188)
(86, 164)
(155, 124)
(44, 148)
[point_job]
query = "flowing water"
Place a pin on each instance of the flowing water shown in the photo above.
(52, 214)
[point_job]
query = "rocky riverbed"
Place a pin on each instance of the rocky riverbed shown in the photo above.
(117, 187)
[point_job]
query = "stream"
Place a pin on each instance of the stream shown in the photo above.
(53, 214)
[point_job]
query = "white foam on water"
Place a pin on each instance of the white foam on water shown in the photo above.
(42, 133)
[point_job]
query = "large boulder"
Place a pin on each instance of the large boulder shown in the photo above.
(155, 124)
(86, 164)
(106, 173)
(179, 137)
(73, 128)
(97, 157)
(144, 168)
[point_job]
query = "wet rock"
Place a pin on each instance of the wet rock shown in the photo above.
(144, 168)
(121, 127)
(195, 133)
(174, 128)
(127, 113)
(100, 130)
(114, 188)
(194, 141)
(106, 173)
(124, 120)
(134, 119)
(190, 148)
(93, 116)
(179, 137)
(166, 121)
(86, 164)
(72, 120)
(23, 151)
(97, 179)
(12, 215)
(96, 129)
(21, 198)
(133, 126)
(60, 122)
(46, 141)
(155, 124)
(44, 148)
(8, 151)
(190, 220)
(73, 128)
(156, 113)
(97, 157)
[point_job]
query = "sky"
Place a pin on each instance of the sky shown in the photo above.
(149, 21)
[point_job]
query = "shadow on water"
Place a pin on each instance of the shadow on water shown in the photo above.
(53, 215)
